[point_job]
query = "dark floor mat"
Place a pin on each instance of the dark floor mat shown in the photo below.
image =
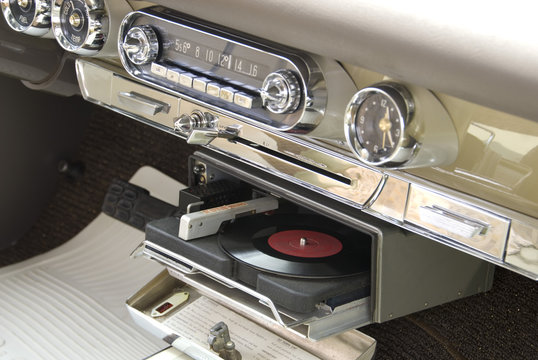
(500, 324)
(113, 146)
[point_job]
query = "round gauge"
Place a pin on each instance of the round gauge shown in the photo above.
(376, 124)
(74, 21)
(29, 16)
(80, 26)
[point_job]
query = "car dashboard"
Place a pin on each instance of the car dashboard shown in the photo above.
(411, 124)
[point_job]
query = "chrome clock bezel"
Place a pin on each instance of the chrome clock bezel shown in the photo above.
(98, 26)
(402, 100)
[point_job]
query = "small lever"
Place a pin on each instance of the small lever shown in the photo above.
(203, 136)
(201, 128)
(197, 119)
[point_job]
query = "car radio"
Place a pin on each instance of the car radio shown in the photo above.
(273, 87)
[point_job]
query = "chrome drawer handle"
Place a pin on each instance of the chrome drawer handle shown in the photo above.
(143, 104)
(453, 222)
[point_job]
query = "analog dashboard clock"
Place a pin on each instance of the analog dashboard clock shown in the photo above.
(385, 127)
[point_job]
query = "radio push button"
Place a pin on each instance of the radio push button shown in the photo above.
(246, 101)
(227, 94)
(200, 84)
(186, 79)
(173, 75)
(159, 70)
(213, 89)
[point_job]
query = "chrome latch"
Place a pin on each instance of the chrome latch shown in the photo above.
(197, 119)
(201, 136)
(201, 128)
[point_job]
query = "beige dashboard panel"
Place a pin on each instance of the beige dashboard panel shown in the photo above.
(486, 54)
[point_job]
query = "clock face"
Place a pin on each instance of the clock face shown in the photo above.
(378, 126)
(376, 122)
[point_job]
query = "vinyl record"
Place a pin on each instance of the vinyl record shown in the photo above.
(305, 243)
(299, 245)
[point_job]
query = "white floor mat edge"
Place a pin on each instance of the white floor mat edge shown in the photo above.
(70, 302)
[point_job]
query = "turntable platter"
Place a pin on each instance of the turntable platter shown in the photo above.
(298, 245)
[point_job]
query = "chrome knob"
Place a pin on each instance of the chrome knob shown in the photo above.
(141, 45)
(197, 119)
(80, 26)
(201, 128)
(281, 92)
(31, 17)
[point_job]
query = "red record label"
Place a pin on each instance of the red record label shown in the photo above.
(305, 243)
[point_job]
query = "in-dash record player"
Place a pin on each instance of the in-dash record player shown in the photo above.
(308, 268)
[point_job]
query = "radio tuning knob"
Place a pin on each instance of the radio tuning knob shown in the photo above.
(141, 45)
(281, 92)
(31, 17)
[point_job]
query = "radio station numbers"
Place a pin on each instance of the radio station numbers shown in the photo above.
(225, 61)
(182, 46)
(217, 58)
(203, 53)
(245, 67)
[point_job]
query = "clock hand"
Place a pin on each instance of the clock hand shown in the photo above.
(390, 139)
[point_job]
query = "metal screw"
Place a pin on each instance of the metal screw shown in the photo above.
(198, 169)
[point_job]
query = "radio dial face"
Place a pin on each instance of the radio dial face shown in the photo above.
(31, 17)
(376, 125)
(80, 26)
(141, 45)
(281, 92)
